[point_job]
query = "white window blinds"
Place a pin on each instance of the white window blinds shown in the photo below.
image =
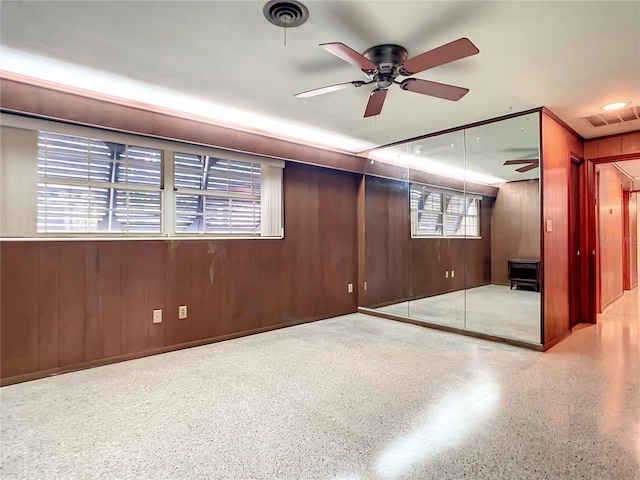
(88, 185)
(436, 212)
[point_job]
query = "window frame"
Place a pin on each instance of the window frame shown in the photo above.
(167, 148)
(413, 213)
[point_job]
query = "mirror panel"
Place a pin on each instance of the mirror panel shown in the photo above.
(445, 221)
(509, 304)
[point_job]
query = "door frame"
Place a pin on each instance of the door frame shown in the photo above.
(577, 160)
(592, 282)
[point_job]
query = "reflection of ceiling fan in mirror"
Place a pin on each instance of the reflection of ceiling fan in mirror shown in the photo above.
(529, 164)
(383, 63)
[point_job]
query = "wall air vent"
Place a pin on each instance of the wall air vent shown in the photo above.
(628, 114)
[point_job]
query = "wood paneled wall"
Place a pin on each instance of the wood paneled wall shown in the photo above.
(610, 211)
(515, 226)
(632, 237)
(613, 146)
(558, 143)
(398, 267)
(65, 304)
(53, 103)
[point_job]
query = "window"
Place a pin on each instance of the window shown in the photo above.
(73, 181)
(217, 196)
(88, 185)
(443, 213)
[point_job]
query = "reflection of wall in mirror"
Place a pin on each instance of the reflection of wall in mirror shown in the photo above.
(398, 267)
(515, 226)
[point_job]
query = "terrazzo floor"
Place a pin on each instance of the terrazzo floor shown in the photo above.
(350, 398)
(493, 309)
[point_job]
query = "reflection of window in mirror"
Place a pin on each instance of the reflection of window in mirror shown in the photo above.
(443, 213)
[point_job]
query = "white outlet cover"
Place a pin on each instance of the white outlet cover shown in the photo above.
(182, 312)
(453, 274)
(157, 316)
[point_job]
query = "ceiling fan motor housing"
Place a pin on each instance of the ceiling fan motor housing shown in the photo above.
(388, 58)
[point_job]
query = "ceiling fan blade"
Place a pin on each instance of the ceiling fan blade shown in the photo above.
(520, 162)
(349, 55)
(434, 89)
(376, 100)
(330, 88)
(527, 168)
(455, 50)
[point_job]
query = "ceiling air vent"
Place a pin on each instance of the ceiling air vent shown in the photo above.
(286, 13)
(628, 114)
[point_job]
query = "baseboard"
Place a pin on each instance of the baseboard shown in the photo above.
(156, 351)
(445, 328)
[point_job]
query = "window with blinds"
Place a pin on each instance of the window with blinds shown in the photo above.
(217, 196)
(88, 185)
(443, 214)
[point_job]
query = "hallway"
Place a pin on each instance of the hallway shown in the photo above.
(349, 398)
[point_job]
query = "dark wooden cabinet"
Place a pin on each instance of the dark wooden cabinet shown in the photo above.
(524, 273)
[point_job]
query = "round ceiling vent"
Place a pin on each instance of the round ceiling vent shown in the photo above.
(287, 13)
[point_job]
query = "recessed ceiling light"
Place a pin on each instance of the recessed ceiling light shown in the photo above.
(615, 105)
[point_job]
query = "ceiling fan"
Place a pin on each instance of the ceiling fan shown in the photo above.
(529, 164)
(382, 64)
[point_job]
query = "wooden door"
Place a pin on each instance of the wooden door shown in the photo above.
(575, 265)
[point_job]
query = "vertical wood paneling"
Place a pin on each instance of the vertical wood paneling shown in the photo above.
(515, 226)
(610, 146)
(178, 291)
(135, 316)
(19, 268)
(154, 255)
(633, 238)
(109, 274)
(102, 293)
(71, 313)
(49, 302)
(557, 146)
(624, 144)
(631, 143)
(610, 211)
(199, 270)
(93, 335)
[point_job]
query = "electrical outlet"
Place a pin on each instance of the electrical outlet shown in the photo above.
(182, 312)
(446, 274)
(453, 273)
(365, 285)
(350, 288)
(157, 316)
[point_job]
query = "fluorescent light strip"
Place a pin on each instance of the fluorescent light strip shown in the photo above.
(70, 75)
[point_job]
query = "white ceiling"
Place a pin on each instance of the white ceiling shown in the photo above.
(571, 57)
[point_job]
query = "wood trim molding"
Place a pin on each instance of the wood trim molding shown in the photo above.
(616, 158)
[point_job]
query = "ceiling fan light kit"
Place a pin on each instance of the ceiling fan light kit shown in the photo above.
(382, 64)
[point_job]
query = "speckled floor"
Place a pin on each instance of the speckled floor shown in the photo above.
(351, 398)
(493, 309)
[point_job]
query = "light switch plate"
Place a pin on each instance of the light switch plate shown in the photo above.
(549, 224)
